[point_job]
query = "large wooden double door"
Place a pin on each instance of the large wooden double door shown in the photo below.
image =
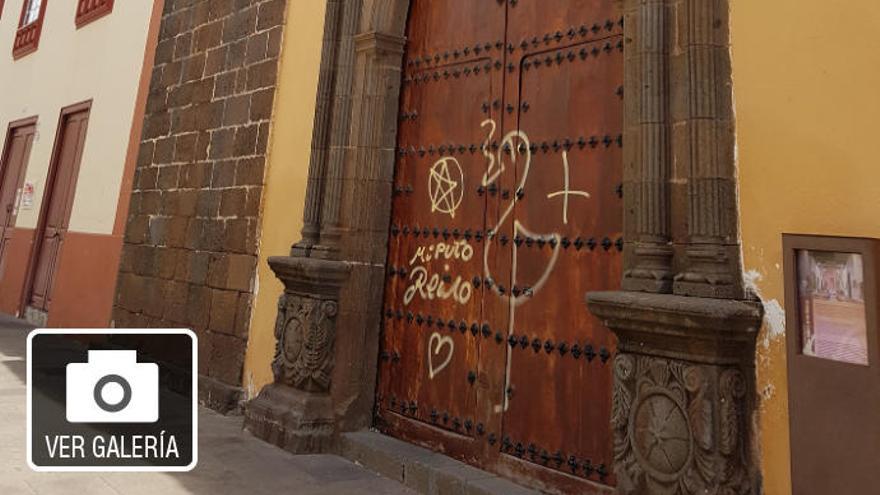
(507, 209)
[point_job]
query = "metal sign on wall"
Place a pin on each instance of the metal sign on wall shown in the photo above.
(507, 209)
(833, 356)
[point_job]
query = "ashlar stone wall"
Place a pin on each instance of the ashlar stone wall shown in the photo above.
(189, 255)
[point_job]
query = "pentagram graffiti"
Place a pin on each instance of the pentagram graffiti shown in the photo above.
(446, 186)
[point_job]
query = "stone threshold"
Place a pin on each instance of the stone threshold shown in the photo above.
(420, 469)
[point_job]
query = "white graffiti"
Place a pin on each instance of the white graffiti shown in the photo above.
(446, 193)
(519, 229)
(446, 186)
(516, 146)
(435, 344)
(491, 174)
(433, 286)
(566, 192)
(458, 250)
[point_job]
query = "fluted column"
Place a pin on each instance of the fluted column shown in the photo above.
(321, 133)
(340, 135)
(649, 267)
(684, 381)
(712, 266)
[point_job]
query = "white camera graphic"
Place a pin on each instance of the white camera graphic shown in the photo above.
(112, 388)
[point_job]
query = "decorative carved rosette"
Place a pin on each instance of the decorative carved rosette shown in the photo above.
(673, 434)
(304, 333)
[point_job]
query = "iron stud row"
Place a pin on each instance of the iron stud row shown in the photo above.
(477, 49)
(570, 56)
(539, 455)
(557, 145)
(578, 243)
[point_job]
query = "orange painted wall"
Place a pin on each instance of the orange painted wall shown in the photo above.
(85, 282)
(84, 285)
(806, 76)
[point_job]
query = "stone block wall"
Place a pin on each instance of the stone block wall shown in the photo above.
(190, 248)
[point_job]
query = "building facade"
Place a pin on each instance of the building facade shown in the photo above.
(480, 172)
(71, 111)
(561, 248)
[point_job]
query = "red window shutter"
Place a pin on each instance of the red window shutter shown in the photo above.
(27, 37)
(90, 10)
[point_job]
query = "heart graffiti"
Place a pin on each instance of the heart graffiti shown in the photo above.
(435, 345)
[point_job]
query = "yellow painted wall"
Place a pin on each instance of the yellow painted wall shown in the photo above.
(101, 62)
(806, 78)
(286, 175)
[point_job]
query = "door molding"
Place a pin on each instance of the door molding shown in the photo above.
(15, 124)
(47, 188)
(4, 161)
(682, 261)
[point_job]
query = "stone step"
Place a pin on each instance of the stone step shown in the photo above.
(423, 470)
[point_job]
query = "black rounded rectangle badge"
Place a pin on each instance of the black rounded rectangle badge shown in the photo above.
(112, 400)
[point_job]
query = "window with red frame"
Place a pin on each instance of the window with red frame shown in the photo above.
(30, 25)
(89, 10)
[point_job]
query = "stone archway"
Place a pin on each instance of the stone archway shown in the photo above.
(683, 304)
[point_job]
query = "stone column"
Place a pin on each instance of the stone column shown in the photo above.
(684, 381)
(340, 136)
(712, 266)
(647, 170)
(323, 129)
(334, 277)
(296, 411)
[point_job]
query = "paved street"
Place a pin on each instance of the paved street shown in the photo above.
(230, 461)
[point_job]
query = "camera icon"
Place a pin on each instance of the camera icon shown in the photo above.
(112, 387)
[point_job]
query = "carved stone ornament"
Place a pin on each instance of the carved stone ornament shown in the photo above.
(683, 393)
(305, 327)
(304, 333)
(295, 412)
(677, 428)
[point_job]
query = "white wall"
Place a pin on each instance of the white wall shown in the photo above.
(102, 62)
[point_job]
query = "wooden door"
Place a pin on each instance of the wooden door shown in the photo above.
(20, 139)
(507, 209)
(57, 204)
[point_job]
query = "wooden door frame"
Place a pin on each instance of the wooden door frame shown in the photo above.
(15, 124)
(10, 129)
(51, 174)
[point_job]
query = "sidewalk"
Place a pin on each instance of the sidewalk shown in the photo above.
(230, 461)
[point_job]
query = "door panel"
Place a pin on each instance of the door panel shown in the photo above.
(507, 182)
(434, 329)
(56, 209)
(12, 169)
(571, 110)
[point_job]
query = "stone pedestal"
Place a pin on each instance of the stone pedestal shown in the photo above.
(296, 411)
(292, 419)
(683, 397)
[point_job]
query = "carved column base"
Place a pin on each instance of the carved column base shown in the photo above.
(653, 271)
(711, 273)
(301, 422)
(683, 396)
(296, 411)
